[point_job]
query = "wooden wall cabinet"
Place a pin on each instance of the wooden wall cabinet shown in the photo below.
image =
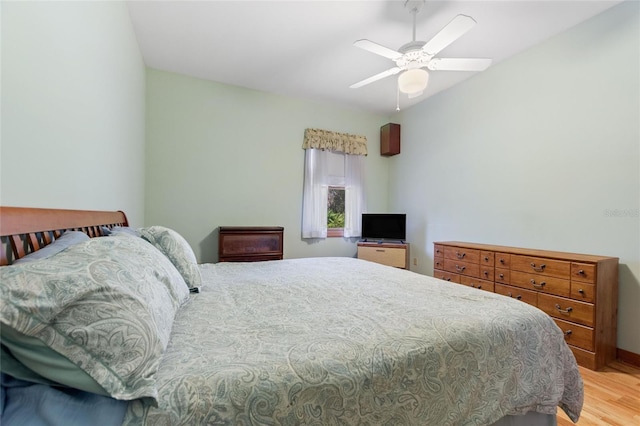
(390, 254)
(390, 139)
(579, 291)
(250, 243)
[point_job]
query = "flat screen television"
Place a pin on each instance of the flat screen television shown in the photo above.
(384, 226)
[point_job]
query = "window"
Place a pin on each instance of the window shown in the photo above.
(333, 198)
(335, 211)
(333, 190)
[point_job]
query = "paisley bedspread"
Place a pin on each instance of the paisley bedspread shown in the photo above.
(341, 341)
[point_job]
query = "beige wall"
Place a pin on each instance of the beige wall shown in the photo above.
(540, 151)
(72, 131)
(220, 155)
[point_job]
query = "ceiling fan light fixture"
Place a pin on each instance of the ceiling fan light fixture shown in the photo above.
(413, 81)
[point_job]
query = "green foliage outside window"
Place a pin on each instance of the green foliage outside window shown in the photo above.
(335, 206)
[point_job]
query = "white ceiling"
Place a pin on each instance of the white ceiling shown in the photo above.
(304, 49)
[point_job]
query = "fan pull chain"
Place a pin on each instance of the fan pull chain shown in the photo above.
(397, 95)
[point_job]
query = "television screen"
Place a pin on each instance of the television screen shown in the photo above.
(384, 226)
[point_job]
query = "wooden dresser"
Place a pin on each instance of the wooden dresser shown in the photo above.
(579, 291)
(250, 243)
(390, 254)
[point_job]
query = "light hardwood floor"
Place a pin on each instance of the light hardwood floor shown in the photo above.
(611, 397)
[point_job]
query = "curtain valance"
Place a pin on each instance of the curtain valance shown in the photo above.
(334, 141)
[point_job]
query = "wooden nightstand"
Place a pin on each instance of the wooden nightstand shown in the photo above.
(250, 243)
(390, 254)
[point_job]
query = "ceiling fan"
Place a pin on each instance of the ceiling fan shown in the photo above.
(413, 57)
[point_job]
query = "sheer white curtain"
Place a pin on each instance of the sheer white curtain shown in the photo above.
(323, 169)
(354, 201)
(315, 193)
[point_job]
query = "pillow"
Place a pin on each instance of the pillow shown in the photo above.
(124, 230)
(106, 305)
(66, 240)
(177, 249)
(37, 356)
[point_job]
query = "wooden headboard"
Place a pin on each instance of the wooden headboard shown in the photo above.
(24, 230)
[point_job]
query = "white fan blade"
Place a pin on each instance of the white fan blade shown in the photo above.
(450, 33)
(459, 64)
(378, 49)
(387, 73)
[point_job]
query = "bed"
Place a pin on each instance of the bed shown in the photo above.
(322, 341)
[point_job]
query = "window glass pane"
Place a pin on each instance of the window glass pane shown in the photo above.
(335, 207)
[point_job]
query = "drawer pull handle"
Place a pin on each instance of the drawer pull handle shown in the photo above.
(564, 311)
(448, 279)
(486, 258)
(460, 255)
(568, 333)
(581, 291)
(380, 250)
(511, 295)
(501, 276)
(474, 286)
(501, 260)
(581, 272)
(486, 273)
(538, 268)
(533, 283)
(460, 269)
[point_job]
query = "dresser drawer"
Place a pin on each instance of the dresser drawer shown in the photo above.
(542, 266)
(486, 272)
(551, 285)
(447, 276)
(389, 256)
(502, 276)
(477, 283)
(503, 260)
(567, 309)
(460, 267)
(462, 254)
(583, 291)
(584, 272)
(527, 296)
(584, 358)
(576, 335)
(487, 258)
(438, 250)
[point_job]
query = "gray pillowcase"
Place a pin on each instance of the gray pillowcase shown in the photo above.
(177, 249)
(66, 240)
(106, 305)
